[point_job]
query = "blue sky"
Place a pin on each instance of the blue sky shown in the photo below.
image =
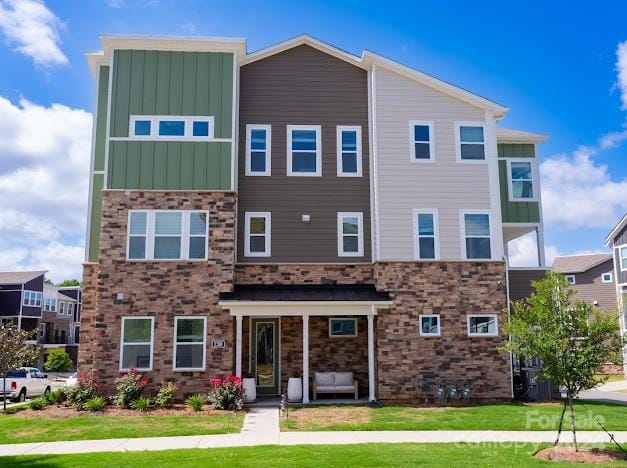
(553, 63)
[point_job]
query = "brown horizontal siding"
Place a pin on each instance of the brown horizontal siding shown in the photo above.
(520, 282)
(590, 288)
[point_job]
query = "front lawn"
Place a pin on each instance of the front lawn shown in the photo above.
(373, 455)
(497, 417)
(606, 378)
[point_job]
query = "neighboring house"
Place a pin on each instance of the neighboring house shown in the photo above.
(299, 209)
(21, 298)
(60, 323)
(617, 241)
(592, 276)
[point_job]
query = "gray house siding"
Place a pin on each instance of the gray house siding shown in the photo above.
(520, 282)
(620, 239)
(303, 86)
(590, 288)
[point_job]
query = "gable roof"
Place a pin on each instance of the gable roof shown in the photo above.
(579, 263)
(509, 135)
(19, 277)
(609, 240)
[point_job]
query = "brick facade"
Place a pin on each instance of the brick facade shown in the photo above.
(314, 273)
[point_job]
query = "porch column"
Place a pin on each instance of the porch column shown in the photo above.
(371, 382)
(238, 345)
(305, 359)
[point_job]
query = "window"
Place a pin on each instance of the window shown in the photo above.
(303, 151)
(520, 180)
(348, 151)
(50, 305)
(570, 279)
(429, 325)
(342, 327)
(70, 309)
(258, 150)
(426, 234)
(61, 308)
(350, 238)
(136, 343)
(421, 141)
(257, 233)
(32, 298)
(190, 343)
(483, 325)
(170, 127)
(606, 278)
(476, 243)
(470, 142)
(167, 235)
(622, 257)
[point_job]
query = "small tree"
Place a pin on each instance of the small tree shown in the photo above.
(67, 283)
(14, 352)
(570, 338)
(58, 361)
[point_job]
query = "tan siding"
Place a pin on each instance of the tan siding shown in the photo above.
(403, 185)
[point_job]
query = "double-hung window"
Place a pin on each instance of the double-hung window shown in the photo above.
(190, 343)
(426, 234)
(136, 343)
(32, 298)
(61, 308)
(70, 309)
(257, 231)
(348, 151)
(521, 187)
(171, 127)
(622, 257)
(258, 150)
(421, 141)
(50, 304)
(470, 141)
(167, 235)
(350, 234)
(476, 240)
(482, 325)
(429, 325)
(304, 154)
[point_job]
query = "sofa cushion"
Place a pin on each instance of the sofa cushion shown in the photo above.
(344, 388)
(344, 378)
(325, 378)
(326, 388)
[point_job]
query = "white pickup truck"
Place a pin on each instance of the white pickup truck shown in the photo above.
(25, 382)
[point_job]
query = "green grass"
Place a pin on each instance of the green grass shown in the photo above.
(610, 377)
(15, 429)
(373, 455)
(498, 417)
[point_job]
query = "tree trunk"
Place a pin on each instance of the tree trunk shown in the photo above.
(4, 391)
(572, 422)
(559, 430)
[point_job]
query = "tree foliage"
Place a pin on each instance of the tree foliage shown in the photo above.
(14, 351)
(67, 283)
(58, 361)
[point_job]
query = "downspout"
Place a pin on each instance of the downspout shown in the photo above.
(509, 338)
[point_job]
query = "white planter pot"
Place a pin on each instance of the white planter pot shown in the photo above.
(250, 390)
(294, 389)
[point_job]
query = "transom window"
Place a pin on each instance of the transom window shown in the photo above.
(421, 141)
(167, 235)
(32, 298)
(348, 151)
(429, 325)
(170, 127)
(483, 325)
(303, 151)
(521, 180)
(471, 142)
(606, 278)
(136, 343)
(341, 327)
(477, 239)
(258, 146)
(257, 232)
(426, 234)
(350, 234)
(190, 335)
(622, 256)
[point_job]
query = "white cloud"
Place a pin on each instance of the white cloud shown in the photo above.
(33, 29)
(523, 252)
(613, 139)
(621, 70)
(115, 3)
(43, 187)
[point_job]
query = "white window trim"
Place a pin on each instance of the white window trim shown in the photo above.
(608, 281)
(462, 230)
(436, 232)
(69, 311)
(61, 308)
(318, 130)
(37, 296)
(620, 259)
(480, 335)
(534, 179)
(458, 142)
(412, 147)
(154, 127)
(338, 137)
(150, 236)
(340, 234)
(268, 234)
(152, 341)
(420, 317)
(569, 278)
(268, 129)
(343, 319)
(204, 343)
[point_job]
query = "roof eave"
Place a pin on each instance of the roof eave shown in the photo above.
(609, 240)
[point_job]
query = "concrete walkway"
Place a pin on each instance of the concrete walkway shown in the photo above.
(261, 427)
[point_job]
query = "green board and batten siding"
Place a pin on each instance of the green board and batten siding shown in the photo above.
(515, 212)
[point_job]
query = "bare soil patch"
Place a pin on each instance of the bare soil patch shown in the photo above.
(323, 417)
(584, 455)
(60, 411)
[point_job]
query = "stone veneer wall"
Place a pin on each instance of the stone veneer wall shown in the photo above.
(162, 289)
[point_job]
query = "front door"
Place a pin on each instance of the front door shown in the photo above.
(265, 355)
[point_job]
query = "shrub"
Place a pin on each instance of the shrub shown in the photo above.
(226, 393)
(141, 404)
(38, 404)
(95, 404)
(56, 396)
(58, 361)
(196, 402)
(87, 387)
(165, 397)
(129, 388)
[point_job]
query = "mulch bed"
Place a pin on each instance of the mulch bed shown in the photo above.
(584, 455)
(60, 411)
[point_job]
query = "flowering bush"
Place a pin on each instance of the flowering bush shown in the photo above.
(226, 393)
(87, 387)
(165, 397)
(129, 387)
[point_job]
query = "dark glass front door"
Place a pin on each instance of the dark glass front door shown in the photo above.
(265, 355)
